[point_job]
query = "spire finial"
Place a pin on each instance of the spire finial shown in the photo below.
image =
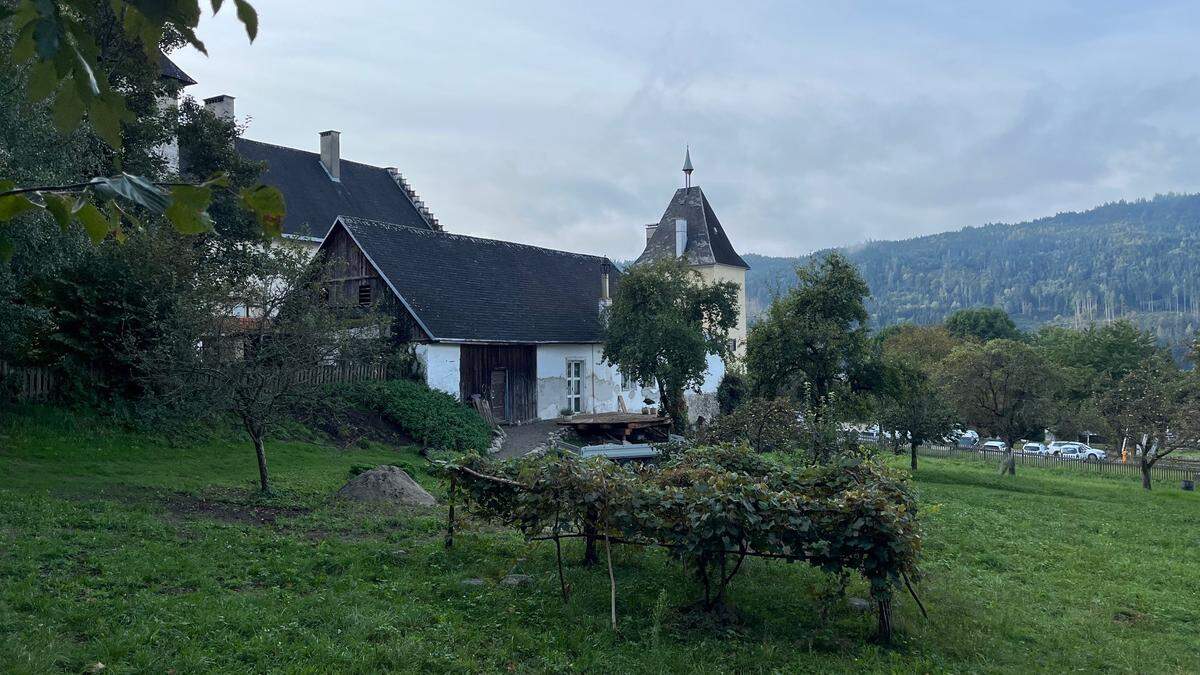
(687, 166)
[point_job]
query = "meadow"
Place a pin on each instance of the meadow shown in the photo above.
(149, 555)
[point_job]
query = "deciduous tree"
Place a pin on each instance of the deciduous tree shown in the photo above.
(1003, 387)
(1157, 408)
(259, 367)
(813, 342)
(662, 325)
(983, 324)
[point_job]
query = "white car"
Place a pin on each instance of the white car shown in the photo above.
(1035, 449)
(996, 446)
(1056, 447)
(1083, 452)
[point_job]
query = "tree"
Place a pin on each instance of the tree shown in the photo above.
(912, 407)
(732, 391)
(663, 323)
(813, 342)
(1003, 387)
(923, 346)
(1158, 408)
(766, 425)
(1091, 362)
(983, 324)
(92, 57)
(259, 367)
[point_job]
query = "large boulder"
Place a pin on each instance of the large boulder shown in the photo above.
(386, 483)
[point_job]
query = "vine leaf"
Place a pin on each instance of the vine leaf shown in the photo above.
(267, 205)
(93, 221)
(135, 189)
(187, 209)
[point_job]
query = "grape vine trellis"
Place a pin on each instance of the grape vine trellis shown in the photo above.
(710, 508)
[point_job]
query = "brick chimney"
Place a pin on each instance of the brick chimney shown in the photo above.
(331, 153)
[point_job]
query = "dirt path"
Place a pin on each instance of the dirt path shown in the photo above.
(521, 439)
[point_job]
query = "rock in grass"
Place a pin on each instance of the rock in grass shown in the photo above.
(516, 580)
(472, 582)
(859, 604)
(386, 483)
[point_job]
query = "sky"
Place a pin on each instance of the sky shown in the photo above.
(811, 125)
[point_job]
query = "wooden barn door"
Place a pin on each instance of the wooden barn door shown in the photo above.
(498, 394)
(503, 375)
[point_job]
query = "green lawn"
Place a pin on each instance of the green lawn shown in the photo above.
(145, 556)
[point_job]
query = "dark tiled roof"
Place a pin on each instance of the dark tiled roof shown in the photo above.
(707, 243)
(168, 69)
(314, 199)
(484, 290)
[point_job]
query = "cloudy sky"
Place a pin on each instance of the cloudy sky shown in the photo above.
(563, 123)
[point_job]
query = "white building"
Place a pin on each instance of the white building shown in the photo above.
(518, 326)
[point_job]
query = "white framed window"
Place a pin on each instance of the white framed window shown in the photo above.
(574, 385)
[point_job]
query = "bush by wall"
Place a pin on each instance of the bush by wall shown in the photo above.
(432, 418)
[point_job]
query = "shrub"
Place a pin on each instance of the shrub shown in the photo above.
(765, 424)
(432, 418)
(732, 391)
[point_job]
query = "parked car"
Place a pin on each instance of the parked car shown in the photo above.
(1035, 449)
(967, 439)
(995, 445)
(1056, 447)
(1083, 452)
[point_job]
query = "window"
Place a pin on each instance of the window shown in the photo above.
(574, 385)
(364, 294)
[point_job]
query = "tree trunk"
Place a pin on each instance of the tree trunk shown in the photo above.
(589, 541)
(675, 407)
(263, 478)
(913, 449)
(1146, 474)
(1010, 459)
(883, 629)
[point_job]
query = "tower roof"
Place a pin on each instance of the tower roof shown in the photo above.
(707, 243)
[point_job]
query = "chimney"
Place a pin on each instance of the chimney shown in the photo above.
(650, 230)
(331, 154)
(221, 106)
(680, 237)
(605, 298)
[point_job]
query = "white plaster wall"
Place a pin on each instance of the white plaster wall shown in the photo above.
(442, 364)
(601, 386)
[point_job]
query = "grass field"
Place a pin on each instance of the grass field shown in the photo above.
(144, 556)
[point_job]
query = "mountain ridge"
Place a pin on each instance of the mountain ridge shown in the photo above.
(1133, 259)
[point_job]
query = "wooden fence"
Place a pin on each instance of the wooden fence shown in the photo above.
(344, 372)
(40, 384)
(1166, 470)
(28, 383)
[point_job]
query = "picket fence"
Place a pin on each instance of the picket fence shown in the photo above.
(1166, 470)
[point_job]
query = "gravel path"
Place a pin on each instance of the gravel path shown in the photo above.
(521, 439)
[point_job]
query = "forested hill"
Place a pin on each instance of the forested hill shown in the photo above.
(1139, 259)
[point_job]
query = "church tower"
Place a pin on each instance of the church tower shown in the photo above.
(689, 229)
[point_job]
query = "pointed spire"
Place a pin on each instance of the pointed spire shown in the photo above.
(687, 167)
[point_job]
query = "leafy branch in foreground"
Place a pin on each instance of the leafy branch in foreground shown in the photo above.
(100, 204)
(55, 36)
(58, 42)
